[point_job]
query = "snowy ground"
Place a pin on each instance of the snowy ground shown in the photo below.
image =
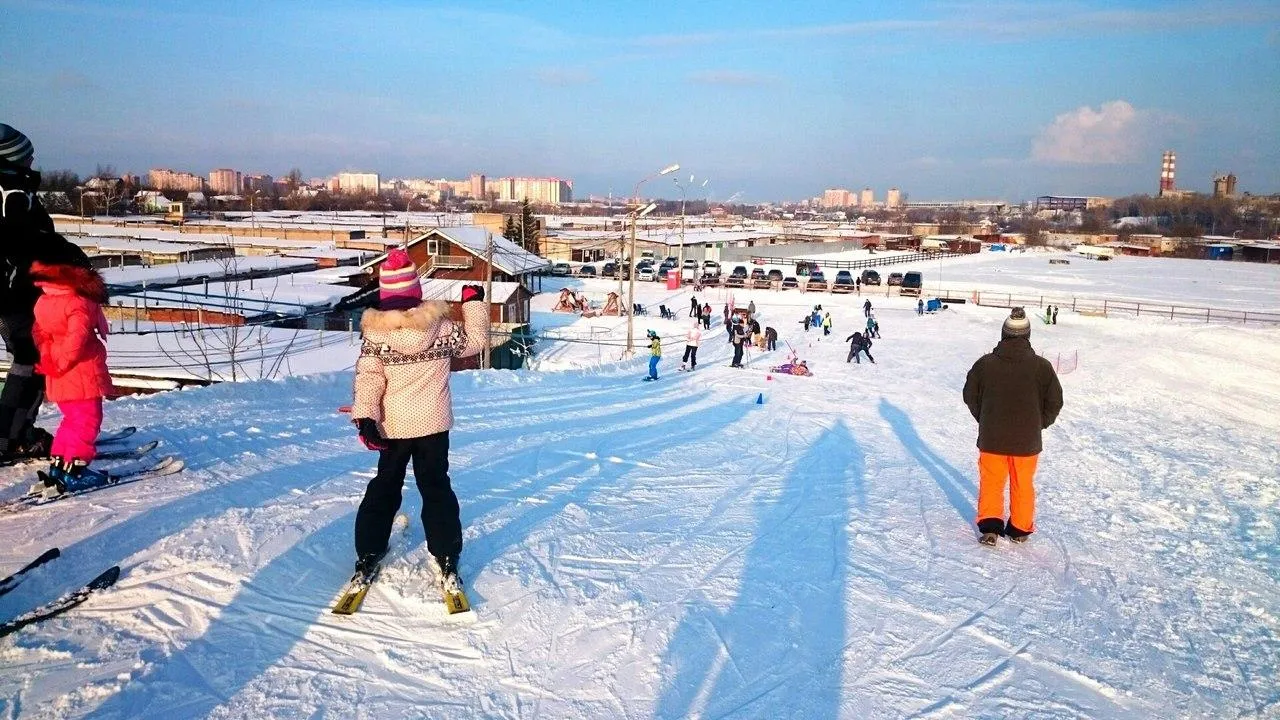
(674, 549)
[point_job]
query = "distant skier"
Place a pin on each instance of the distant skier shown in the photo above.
(403, 409)
(693, 306)
(826, 323)
(706, 316)
(751, 309)
(857, 284)
(1048, 315)
(655, 354)
(1055, 315)
(70, 333)
(859, 343)
(770, 339)
(1013, 394)
(866, 308)
(920, 307)
(691, 341)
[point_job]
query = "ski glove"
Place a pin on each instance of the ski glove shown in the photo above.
(472, 292)
(369, 434)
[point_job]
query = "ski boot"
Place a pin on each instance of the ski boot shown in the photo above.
(449, 580)
(1019, 538)
(72, 476)
(368, 564)
(988, 538)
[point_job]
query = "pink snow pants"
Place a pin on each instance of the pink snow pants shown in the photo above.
(78, 431)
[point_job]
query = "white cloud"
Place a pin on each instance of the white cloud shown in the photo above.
(729, 77)
(1112, 134)
(563, 77)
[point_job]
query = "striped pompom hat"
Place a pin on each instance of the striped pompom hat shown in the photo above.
(14, 146)
(398, 286)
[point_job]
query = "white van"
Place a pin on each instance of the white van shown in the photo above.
(689, 271)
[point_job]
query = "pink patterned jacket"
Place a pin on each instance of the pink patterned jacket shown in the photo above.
(402, 376)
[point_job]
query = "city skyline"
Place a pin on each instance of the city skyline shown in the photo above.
(957, 100)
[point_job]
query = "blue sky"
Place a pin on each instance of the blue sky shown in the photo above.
(775, 101)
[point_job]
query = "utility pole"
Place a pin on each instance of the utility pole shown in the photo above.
(631, 288)
(488, 300)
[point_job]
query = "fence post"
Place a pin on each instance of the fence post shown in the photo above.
(1208, 313)
(1104, 308)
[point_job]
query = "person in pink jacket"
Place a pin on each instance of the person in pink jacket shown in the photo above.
(404, 410)
(70, 334)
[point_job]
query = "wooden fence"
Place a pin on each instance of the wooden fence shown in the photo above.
(1104, 307)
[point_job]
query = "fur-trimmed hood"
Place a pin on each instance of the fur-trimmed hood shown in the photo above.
(86, 282)
(420, 317)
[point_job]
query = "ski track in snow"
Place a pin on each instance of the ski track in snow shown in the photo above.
(673, 549)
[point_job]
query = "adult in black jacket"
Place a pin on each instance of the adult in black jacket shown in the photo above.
(770, 339)
(1013, 394)
(859, 343)
(737, 336)
(26, 235)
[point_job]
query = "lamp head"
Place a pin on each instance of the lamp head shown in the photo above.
(669, 169)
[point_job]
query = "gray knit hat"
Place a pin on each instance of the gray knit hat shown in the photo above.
(14, 146)
(1016, 325)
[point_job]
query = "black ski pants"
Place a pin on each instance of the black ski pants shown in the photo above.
(24, 387)
(440, 513)
(737, 354)
(690, 356)
(771, 343)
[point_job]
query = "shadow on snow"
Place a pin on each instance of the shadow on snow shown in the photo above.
(776, 652)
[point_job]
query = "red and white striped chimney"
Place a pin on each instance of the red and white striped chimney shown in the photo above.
(1167, 171)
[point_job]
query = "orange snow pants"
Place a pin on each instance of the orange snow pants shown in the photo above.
(993, 470)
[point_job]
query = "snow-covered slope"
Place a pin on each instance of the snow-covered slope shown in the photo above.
(675, 549)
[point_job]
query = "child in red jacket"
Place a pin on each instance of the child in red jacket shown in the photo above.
(70, 334)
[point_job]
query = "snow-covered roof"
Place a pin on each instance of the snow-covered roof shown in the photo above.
(508, 257)
(171, 273)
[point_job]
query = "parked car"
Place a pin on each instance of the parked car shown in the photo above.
(816, 276)
(895, 279)
(587, 271)
(757, 274)
(689, 271)
(775, 274)
(739, 271)
(610, 269)
(711, 267)
(646, 273)
(912, 283)
(870, 277)
(789, 282)
(668, 264)
(562, 269)
(844, 277)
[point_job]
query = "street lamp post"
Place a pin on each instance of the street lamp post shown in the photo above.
(631, 291)
(683, 198)
(412, 197)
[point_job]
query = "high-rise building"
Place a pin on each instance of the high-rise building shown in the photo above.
(225, 181)
(550, 191)
(837, 198)
(893, 199)
(261, 184)
(349, 182)
(166, 179)
(868, 198)
(1167, 168)
(477, 186)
